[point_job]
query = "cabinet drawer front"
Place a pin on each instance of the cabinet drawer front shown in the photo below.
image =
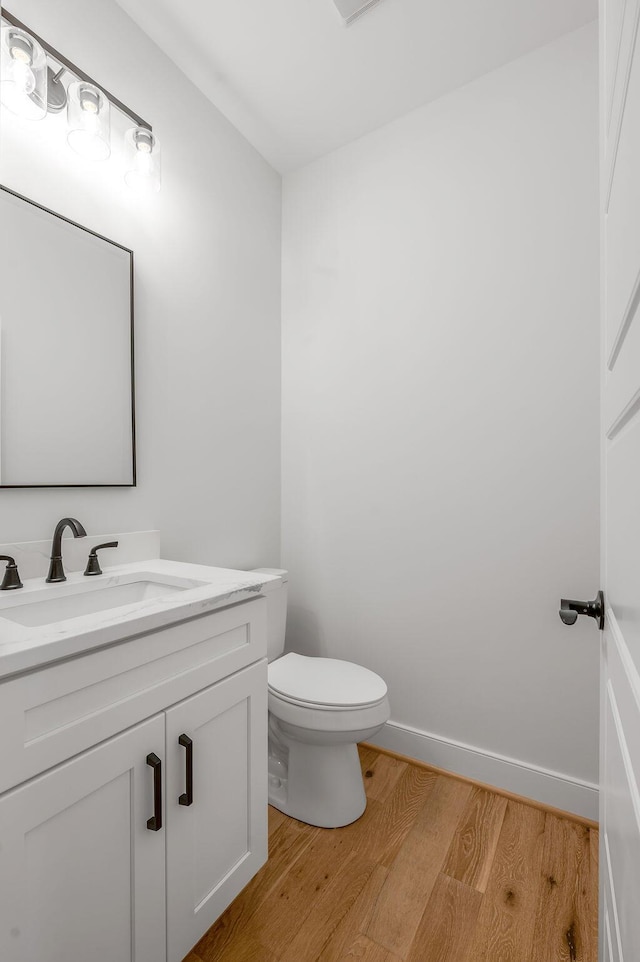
(50, 715)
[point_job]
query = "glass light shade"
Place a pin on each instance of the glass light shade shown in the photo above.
(142, 160)
(88, 118)
(23, 74)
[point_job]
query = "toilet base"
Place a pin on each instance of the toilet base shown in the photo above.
(317, 784)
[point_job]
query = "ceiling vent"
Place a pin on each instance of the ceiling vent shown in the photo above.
(351, 10)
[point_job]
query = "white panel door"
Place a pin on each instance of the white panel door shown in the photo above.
(81, 875)
(620, 658)
(217, 834)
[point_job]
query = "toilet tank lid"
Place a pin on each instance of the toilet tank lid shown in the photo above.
(326, 682)
(277, 572)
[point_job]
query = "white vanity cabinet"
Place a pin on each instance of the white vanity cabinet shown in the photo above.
(83, 873)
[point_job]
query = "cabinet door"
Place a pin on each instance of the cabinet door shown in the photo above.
(81, 876)
(216, 844)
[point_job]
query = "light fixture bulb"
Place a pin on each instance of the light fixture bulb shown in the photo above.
(143, 140)
(142, 158)
(89, 99)
(21, 50)
(88, 119)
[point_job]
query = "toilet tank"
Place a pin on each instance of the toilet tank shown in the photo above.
(276, 612)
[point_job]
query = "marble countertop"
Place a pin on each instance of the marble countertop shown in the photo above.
(205, 589)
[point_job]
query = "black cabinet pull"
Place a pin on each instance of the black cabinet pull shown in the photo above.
(154, 824)
(187, 797)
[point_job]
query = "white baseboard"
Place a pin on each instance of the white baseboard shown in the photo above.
(550, 788)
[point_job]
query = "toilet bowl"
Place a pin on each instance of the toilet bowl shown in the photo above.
(319, 709)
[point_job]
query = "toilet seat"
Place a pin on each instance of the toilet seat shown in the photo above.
(339, 721)
(325, 684)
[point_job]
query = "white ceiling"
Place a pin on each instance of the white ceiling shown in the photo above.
(298, 83)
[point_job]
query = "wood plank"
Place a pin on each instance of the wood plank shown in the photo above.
(364, 950)
(275, 819)
(564, 920)
(246, 950)
(510, 796)
(382, 775)
(329, 910)
(290, 903)
(416, 867)
(367, 755)
(356, 920)
(587, 900)
(594, 845)
(446, 930)
(385, 826)
(474, 844)
(507, 916)
(287, 844)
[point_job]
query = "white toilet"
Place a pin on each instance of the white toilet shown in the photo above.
(319, 708)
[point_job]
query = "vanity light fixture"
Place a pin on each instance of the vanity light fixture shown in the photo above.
(32, 75)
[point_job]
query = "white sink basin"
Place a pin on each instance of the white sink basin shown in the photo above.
(47, 610)
(42, 623)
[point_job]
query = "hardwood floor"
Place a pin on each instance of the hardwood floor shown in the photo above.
(436, 870)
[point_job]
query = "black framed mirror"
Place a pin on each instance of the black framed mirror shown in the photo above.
(67, 397)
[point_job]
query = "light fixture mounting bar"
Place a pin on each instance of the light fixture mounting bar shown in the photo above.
(72, 68)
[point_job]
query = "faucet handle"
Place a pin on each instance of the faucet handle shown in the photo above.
(93, 565)
(11, 575)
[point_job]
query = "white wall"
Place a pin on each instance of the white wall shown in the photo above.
(440, 412)
(207, 256)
